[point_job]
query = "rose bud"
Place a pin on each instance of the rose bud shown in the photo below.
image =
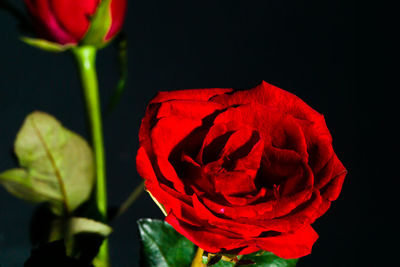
(72, 22)
(239, 171)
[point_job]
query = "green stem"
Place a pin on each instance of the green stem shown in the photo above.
(130, 200)
(86, 62)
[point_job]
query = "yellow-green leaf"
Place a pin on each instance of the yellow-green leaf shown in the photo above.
(46, 45)
(56, 165)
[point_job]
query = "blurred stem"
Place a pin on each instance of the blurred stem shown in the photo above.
(122, 51)
(198, 259)
(130, 200)
(86, 62)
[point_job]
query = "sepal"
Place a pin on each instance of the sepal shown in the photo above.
(100, 24)
(46, 45)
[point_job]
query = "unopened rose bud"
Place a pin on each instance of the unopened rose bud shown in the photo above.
(74, 22)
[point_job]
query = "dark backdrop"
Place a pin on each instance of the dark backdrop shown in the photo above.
(306, 47)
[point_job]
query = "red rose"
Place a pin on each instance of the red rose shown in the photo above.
(67, 21)
(240, 171)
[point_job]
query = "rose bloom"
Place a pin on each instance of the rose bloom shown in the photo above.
(240, 171)
(67, 21)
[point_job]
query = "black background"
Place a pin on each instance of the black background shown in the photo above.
(309, 48)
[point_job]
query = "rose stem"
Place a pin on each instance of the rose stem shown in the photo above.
(198, 259)
(130, 200)
(86, 62)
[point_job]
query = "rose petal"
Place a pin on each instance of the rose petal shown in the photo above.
(145, 169)
(320, 153)
(324, 175)
(168, 172)
(237, 140)
(171, 199)
(256, 117)
(191, 94)
(148, 122)
(212, 240)
(213, 143)
(237, 178)
(169, 132)
(47, 24)
(332, 190)
(286, 204)
(74, 15)
(287, 169)
(272, 96)
(143, 165)
(165, 138)
(251, 162)
(289, 135)
(333, 169)
(247, 199)
(291, 245)
(188, 109)
(304, 214)
(242, 229)
(236, 212)
(118, 10)
(234, 183)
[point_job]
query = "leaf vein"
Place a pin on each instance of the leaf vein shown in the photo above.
(158, 247)
(53, 163)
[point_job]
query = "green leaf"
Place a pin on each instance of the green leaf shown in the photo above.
(56, 165)
(78, 225)
(163, 246)
(18, 183)
(222, 263)
(82, 236)
(266, 259)
(100, 24)
(46, 45)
